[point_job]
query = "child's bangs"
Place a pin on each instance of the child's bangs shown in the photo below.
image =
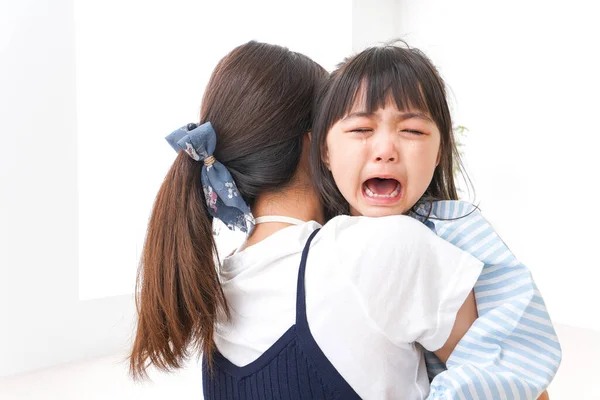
(376, 92)
(372, 82)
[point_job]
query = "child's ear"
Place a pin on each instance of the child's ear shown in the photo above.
(325, 158)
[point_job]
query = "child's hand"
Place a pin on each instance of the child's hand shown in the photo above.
(544, 396)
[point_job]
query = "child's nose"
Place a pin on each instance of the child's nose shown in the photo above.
(385, 150)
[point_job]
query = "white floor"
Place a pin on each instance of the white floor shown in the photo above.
(101, 379)
(106, 377)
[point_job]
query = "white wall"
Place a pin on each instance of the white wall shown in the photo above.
(374, 22)
(143, 78)
(42, 321)
(525, 81)
(47, 94)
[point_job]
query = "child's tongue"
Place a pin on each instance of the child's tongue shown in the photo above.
(381, 186)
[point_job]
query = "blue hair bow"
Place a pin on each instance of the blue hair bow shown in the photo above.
(222, 196)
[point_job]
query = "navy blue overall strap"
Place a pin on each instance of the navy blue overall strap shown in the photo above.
(300, 292)
(311, 348)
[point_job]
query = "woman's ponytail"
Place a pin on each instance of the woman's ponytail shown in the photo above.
(178, 292)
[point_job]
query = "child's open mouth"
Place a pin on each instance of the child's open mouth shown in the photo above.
(382, 188)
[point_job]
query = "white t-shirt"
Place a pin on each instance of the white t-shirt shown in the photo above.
(375, 287)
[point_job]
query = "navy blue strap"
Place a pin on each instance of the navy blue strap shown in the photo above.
(300, 292)
(340, 387)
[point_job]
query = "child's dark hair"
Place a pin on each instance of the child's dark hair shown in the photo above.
(259, 100)
(408, 77)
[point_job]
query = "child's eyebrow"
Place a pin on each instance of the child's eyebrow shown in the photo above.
(359, 114)
(418, 115)
(401, 116)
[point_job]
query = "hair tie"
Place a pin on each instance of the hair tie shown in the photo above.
(210, 160)
(222, 196)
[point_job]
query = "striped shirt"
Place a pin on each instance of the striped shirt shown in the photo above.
(511, 351)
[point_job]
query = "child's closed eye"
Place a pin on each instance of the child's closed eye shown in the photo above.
(360, 130)
(413, 131)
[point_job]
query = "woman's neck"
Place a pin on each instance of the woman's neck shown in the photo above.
(299, 201)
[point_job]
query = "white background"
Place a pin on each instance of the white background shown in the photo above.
(524, 79)
(81, 83)
(143, 78)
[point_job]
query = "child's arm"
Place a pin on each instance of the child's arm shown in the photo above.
(464, 319)
(512, 350)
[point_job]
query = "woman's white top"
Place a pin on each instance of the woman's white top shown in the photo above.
(377, 289)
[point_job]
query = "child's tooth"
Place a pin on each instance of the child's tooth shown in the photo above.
(370, 193)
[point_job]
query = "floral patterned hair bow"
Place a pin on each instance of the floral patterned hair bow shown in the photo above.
(222, 196)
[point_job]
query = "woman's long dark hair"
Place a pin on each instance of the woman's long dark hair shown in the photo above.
(259, 100)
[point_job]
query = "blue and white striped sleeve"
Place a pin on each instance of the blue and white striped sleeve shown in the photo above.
(511, 351)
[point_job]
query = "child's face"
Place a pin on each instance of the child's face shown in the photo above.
(383, 162)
